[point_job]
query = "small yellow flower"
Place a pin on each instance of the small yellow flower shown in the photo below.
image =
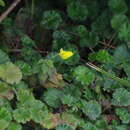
(65, 54)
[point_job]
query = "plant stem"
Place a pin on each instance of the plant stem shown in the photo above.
(32, 8)
(121, 81)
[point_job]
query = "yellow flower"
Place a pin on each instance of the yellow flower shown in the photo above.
(65, 54)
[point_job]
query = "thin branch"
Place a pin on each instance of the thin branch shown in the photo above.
(109, 75)
(12, 6)
(106, 45)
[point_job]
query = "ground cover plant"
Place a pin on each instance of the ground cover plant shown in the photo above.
(65, 65)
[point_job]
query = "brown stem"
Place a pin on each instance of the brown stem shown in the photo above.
(12, 6)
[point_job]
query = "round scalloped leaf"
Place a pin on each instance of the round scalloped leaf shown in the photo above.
(68, 100)
(5, 103)
(118, 6)
(25, 68)
(121, 97)
(27, 41)
(3, 57)
(24, 96)
(3, 124)
(91, 40)
(51, 19)
(77, 11)
(123, 115)
(63, 127)
(22, 115)
(83, 75)
(61, 35)
(44, 68)
(10, 73)
(102, 22)
(52, 97)
(37, 110)
(118, 20)
(37, 115)
(14, 126)
(70, 119)
(101, 56)
(124, 32)
(89, 126)
(21, 85)
(121, 54)
(81, 31)
(51, 120)
(92, 109)
(5, 114)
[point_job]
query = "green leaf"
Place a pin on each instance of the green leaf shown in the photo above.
(121, 97)
(93, 8)
(3, 57)
(101, 124)
(30, 55)
(88, 94)
(68, 100)
(73, 90)
(27, 41)
(121, 54)
(37, 115)
(51, 19)
(5, 114)
(126, 67)
(52, 97)
(2, 3)
(24, 96)
(6, 91)
(89, 41)
(5, 118)
(37, 110)
(77, 11)
(3, 124)
(101, 56)
(123, 115)
(58, 44)
(80, 30)
(22, 115)
(25, 68)
(83, 75)
(63, 127)
(61, 35)
(118, 20)
(89, 126)
(45, 68)
(14, 126)
(118, 6)
(21, 85)
(124, 32)
(121, 127)
(92, 109)
(70, 119)
(51, 120)
(10, 73)
(102, 22)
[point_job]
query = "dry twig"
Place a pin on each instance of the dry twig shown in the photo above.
(12, 6)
